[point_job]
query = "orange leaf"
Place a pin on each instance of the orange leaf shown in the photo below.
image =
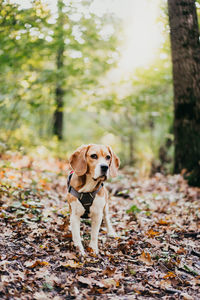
(36, 263)
(146, 258)
(109, 271)
(43, 263)
(137, 291)
(67, 235)
(25, 204)
(181, 251)
(163, 222)
(170, 275)
(2, 174)
(152, 233)
(43, 181)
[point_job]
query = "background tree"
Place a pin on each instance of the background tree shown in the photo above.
(56, 88)
(49, 64)
(22, 50)
(82, 49)
(59, 91)
(185, 46)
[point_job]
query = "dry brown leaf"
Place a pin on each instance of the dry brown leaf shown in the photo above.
(110, 282)
(151, 233)
(163, 222)
(40, 296)
(94, 269)
(33, 264)
(109, 271)
(85, 280)
(146, 258)
(69, 255)
(187, 296)
(165, 284)
(181, 251)
(169, 275)
(154, 242)
(71, 263)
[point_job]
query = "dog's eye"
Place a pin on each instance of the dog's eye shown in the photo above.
(108, 157)
(94, 156)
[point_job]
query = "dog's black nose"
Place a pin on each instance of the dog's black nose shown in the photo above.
(104, 168)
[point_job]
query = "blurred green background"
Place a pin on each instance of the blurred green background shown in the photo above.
(78, 72)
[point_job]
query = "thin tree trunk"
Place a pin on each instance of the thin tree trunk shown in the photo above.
(185, 46)
(59, 91)
(131, 149)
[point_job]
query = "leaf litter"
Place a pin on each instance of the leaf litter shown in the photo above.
(156, 254)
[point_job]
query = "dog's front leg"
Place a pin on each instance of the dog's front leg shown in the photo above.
(96, 218)
(110, 230)
(96, 223)
(77, 211)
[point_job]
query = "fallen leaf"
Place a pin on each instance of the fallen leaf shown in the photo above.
(181, 251)
(109, 271)
(71, 263)
(40, 296)
(109, 282)
(187, 296)
(146, 258)
(31, 264)
(85, 280)
(165, 284)
(151, 233)
(170, 275)
(163, 222)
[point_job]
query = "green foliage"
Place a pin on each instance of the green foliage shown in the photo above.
(136, 122)
(133, 209)
(29, 43)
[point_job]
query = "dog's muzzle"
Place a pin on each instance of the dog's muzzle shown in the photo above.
(104, 169)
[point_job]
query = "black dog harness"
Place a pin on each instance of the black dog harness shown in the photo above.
(86, 199)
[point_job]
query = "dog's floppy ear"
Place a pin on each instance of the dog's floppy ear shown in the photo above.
(78, 160)
(115, 162)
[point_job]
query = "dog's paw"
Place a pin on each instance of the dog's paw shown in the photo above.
(94, 248)
(80, 250)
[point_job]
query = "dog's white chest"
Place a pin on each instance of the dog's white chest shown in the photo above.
(97, 205)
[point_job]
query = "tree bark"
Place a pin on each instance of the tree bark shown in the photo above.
(131, 149)
(184, 34)
(59, 92)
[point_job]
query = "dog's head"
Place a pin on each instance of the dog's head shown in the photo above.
(97, 160)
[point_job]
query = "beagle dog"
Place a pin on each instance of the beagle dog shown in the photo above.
(91, 166)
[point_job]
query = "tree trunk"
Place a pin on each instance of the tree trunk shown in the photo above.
(59, 92)
(186, 76)
(131, 149)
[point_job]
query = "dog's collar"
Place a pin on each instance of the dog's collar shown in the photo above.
(86, 199)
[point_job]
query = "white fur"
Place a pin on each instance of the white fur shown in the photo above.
(110, 229)
(96, 213)
(77, 212)
(97, 210)
(97, 171)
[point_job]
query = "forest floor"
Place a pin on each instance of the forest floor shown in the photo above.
(156, 254)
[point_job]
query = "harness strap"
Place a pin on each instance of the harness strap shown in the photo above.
(86, 199)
